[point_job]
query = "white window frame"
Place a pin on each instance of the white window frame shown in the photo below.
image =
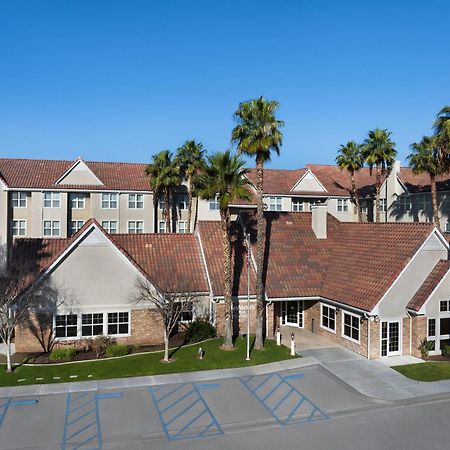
(77, 200)
(128, 322)
(19, 199)
(135, 201)
(78, 225)
(108, 199)
(322, 306)
(182, 319)
(183, 201)
(161, 202)
(447, 303)
(77, 326)
(52, 199)
(106, 225)
(82, 336)
(162, 226)
(447, 227)
(185, 226)
(344, 313)
(342, 205)
(383, 205)
(404, 203)
(276, 204)
(213, 203)
(55, 225)
(135, 226)
(19, 227)
(298, 205)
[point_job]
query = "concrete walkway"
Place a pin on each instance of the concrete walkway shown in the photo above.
(373, 378)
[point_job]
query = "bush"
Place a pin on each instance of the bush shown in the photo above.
(425, 347)
(101, 343)
(446, 351)
(117, 350)
(63, 353)
(199, 330)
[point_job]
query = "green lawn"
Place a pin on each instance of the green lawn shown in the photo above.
(186, 360)
(427, 371)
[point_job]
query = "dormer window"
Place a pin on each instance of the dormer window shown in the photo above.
(275, 203)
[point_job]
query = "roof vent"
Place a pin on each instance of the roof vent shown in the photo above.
(319, 221)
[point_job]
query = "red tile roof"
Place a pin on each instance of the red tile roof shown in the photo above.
(421, 183)
(428, 286)
(211, 241)
(43, 174)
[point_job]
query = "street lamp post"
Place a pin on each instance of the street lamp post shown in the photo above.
(247, 237)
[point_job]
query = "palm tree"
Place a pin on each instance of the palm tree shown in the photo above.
(223, 175)
(349, 158)
(442, 132)
(258, 134)
(190, 159)
(424, 159)
(164, 177)
(379, 151)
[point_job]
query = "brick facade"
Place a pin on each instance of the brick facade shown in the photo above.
(419, 332)
(239, 317)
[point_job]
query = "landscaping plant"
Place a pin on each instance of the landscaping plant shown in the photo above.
(425, 347)
(199, 330)
(101, 343)
(117, 350)
(63, 353)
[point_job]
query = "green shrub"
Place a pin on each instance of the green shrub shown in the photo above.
(117, 350)
(199, 330)
(446, 351)
(63, 353)
(425, 347)
(100, 344)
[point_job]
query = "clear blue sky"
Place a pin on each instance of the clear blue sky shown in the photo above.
(120, 80)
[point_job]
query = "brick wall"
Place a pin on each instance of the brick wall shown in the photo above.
(419, 332)
(239, 317)
(25, 340)
(406, 336)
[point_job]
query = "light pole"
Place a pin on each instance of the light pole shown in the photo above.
(247, 237)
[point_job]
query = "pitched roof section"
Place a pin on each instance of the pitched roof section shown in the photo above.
(211, 241)
(429, 285)
(421, 183)
(277, 181)
(44, 174)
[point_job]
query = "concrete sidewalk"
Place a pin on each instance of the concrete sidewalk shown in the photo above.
(373, 378)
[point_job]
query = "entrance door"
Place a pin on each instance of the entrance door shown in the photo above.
(293, 313)
(390, 338)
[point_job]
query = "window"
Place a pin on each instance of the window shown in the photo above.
(19, 227)
(52, 228)
(182, 226)
(187, 315)
(445, 305)
(297, 204)
(342, 205)
(92, 324)
(110, 226)
(382, 205)
(423, 202)
(328, 317)
(109, 201)
(52, 200)
(75, 226)
(404, 203)
(66, 325)
(446, 202)
(19, 199)
(77, 201)
(214, 203)
(447, 227)
(118, 323)
(162, 226)
(135, 201)
(161, 203)
(183, 202)
(431, 328)
(135, 226)
(351, 327)
(275, 203)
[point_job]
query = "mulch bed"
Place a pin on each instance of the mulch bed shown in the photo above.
(438, 358)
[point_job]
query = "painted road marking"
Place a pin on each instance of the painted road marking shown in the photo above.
(183, 412)
(109, 395)
(295, 376)
(23, 402)
(7, 402)
(283, 400)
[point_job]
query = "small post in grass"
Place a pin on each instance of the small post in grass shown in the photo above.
(200, 353)
(292, 344)
(278, 336)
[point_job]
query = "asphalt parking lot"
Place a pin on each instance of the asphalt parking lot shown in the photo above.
(160, 415)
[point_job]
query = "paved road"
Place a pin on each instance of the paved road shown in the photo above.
(308, 408)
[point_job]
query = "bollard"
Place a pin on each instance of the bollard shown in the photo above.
(292, 345)
(278, 336)
(200, 353)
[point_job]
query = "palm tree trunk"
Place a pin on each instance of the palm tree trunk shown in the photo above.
(434, 201)
(190, 203)
(167, 210)
(355, 196)
(225, 225)
(377, 193)
(260, 300)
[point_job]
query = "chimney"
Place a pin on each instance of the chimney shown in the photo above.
(397, 166)
(319, 220)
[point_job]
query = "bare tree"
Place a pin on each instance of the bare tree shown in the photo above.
(168, 302)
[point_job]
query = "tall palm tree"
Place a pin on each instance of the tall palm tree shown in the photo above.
(223, 175)
(190, 158)
(350, 158)
(379, 152)
(442, 132)
(257, 134)
(164, 177)
(424, 159)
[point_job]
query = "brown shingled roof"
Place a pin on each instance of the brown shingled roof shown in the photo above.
(428, 286)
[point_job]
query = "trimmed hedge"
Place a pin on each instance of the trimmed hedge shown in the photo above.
(199, 330)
